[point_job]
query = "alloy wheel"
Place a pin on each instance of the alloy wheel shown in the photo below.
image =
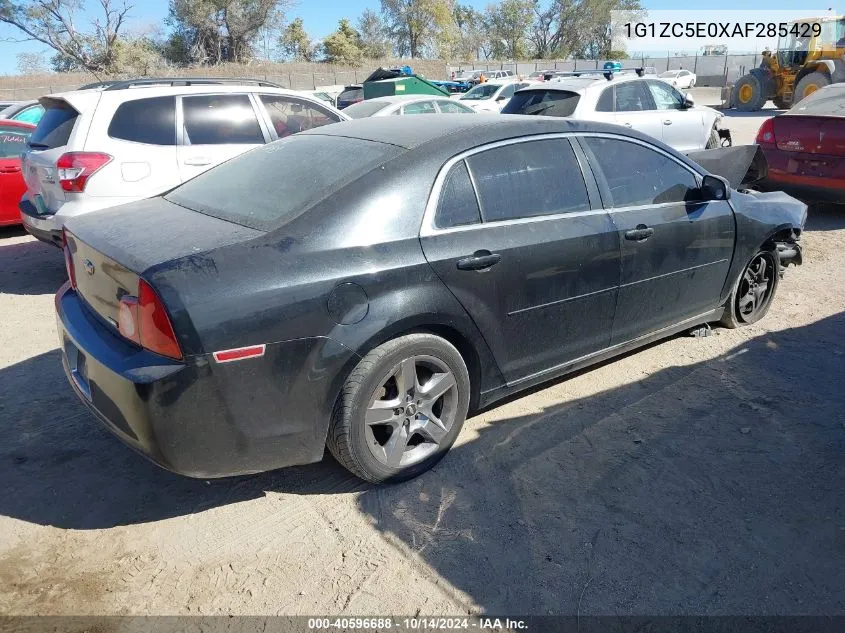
(411, 411)
(755, 287)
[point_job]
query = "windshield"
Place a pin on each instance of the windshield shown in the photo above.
(274, 183)
(480, 92)
(364, 109)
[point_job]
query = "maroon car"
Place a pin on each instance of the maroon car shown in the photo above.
(805, 147)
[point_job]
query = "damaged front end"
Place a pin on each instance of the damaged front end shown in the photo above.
(762, 218)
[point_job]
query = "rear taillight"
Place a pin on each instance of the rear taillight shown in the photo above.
(75, 168)
(71, 273)
(766, 134)
(143, 320)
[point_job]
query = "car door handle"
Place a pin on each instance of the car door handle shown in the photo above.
(667, 122)
(198, 161)
(639, 234)
(11, 169)
(479, 260)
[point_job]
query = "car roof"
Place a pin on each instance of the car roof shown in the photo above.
(156, 90)
(465, 132)
(585, 82)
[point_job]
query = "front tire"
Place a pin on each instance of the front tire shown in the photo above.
(754, 291)
(401, 409)
(748, 94)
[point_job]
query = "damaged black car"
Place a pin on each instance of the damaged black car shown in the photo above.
(363, 286)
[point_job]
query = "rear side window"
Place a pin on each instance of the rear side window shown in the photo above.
(220, 120)
(649, 177)
(55, 126)
(32, 115)
(560, 103)
(280, 180)
(13, 141)
(421, 107)
(151, 121)
(605, 102)
(351, 94)
(458, 205)
(631, 96)
(529, 179)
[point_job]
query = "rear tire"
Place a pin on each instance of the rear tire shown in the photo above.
(748, 94)
(754, 291)
(810, 84)
(391, 422)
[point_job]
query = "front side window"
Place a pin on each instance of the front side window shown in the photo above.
(458, 205)
(631, 96)
(507, 92)
(151, 121)
(638, 175)
(290, 116)
(220, 120)
(529, 179)
(665, 96)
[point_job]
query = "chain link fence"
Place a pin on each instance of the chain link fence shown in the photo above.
(711, 70)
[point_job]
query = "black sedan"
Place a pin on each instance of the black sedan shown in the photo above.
(364, 285)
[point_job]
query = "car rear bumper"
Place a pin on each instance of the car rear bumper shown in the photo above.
(199, 418)
(41, 227)
(804, 176)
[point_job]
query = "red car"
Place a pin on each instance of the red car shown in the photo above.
(805, 147)
(14, 136)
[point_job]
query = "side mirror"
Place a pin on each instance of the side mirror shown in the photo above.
(688, 101)
(715, 188)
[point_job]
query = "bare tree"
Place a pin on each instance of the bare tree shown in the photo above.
(31, 63)
(53, 23)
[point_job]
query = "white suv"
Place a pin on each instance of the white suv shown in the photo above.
(649, 105)
(118, 142)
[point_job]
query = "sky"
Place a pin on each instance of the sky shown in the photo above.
(320, 18)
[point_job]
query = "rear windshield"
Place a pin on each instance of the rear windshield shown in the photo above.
(827, 102)
(13, 141)
(543, 102)
(275, 183)
(351, 94)
(364, 109)
(55, 126)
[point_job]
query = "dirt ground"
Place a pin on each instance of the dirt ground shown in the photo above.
(696, 476)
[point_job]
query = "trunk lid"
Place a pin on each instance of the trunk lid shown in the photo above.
(810, 134)
(111, 249)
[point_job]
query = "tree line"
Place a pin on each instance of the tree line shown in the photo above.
(103, 38)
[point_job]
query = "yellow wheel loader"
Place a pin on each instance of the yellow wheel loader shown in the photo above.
(809, 57)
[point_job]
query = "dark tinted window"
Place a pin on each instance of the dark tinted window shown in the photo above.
(458, 205)
(351, 95)
(55, 126)
(13, 140)
(605, 102)
(220, 119)
(631, 96)
(528, 179)
(543, 102)
(280, 180)
(150, 121)
(639, 175)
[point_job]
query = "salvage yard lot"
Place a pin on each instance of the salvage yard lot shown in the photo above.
(699, 475)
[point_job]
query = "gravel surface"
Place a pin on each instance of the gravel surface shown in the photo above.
(696, 476)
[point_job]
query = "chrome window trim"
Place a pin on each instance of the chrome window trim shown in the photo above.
(428, 226)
